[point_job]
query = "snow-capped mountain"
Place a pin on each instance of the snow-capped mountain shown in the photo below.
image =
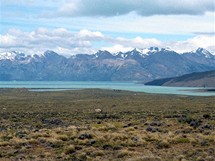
(203, 53)
(11, 55)
(201, 56)
(15, 56)
(141, 52)
(151, 50)
(138, 64)
(200, 52)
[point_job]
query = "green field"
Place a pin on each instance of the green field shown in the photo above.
(131, 126)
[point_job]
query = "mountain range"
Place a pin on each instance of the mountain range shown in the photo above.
(135, 65)
(199, 79)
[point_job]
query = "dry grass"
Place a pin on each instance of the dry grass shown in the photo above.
(133, 127)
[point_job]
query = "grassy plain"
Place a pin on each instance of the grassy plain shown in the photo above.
(131, 126)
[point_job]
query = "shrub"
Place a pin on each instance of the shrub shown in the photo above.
(181, 140)
(69, 150)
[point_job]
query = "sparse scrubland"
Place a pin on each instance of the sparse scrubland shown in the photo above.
(105, 125)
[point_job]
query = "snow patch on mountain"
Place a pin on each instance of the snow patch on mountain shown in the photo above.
(8, 55)
(204, 52)
(16, 56)
(102, 54)
(201, 52)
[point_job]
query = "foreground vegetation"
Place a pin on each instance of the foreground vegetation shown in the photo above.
(105, 125)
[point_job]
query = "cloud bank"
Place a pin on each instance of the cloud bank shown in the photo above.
(125, 16)
(42, 39)
(69, 43)
(109, 8)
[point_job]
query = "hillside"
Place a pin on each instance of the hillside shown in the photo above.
(135, 65)
(200, 79)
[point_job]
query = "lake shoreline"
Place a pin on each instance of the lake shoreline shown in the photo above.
(204, 90)
(41, 86)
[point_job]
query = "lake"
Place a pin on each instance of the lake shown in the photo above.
(130, 86)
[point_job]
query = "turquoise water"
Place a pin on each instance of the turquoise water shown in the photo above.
(130, 86)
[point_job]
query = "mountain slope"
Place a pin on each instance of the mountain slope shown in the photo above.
(135, 65)
(201, 79)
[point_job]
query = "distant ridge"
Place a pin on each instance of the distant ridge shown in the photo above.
(142, 65)
(200, 79)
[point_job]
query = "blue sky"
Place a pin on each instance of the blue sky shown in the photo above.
(85, 26)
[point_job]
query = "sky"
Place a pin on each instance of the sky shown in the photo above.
(71, 27)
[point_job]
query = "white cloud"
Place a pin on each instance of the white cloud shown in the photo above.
(137, 42)
(204, 41)
(132, 23)
(7, 40)
(69, 43)
(117, 48)
(125, 16)
(89, 35)
(40, 40)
